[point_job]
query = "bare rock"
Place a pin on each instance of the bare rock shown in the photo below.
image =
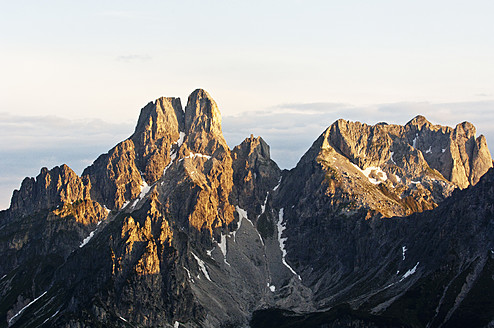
(203, 124)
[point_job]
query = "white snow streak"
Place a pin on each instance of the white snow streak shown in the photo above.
(202, 266)
(3, 277)
(242, 214)
(222, 246)
(50, 317)
(173, 153)
(263, 207)
(428, 151)
(409, 272)
(415, 182)
(22, 310)
(188, 274)
(281, 227)
(145, 188)
(277, 186)
(123, 319)
(87, 239)
(403, 251)
(181, 137)
(414, 142)
(258, 234)
(391, 153)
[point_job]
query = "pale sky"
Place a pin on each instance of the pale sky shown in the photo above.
(74, 74)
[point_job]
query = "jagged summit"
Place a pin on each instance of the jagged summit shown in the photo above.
(203, 123)
(419, 120)
(163, 132)
(172, 228)
(455, 153)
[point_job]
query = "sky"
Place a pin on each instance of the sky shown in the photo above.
(74, 75)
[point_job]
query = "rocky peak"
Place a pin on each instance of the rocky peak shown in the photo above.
(419, 121)
(203, 124)
(163, 114)
(158, 127)
(254, 173)
(454, 153)
(50, 188)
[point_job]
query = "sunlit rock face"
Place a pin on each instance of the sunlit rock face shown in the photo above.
(172, 228)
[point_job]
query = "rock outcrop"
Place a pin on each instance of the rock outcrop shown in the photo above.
(203, 236)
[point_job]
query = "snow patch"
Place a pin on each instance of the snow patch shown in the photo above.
(169, 164)
(202, 266)
(278, 185)
(106, 209)
(87, 239)
(403, 251)
(428, 151)
(391, 153)
(145, 188)
(272, 288)
(181, 137)
(414, 141)
(376, 171)
(242, 214)
(22, 310)
(443, 150)
(281, 227)
(222, 246)
(176, 324)
(409, 272)
(173, 153)
(194, 155)
(263, 207)
(188, 272)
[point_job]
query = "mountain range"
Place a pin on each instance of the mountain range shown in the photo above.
(377, 226)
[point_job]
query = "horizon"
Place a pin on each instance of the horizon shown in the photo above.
(286, 147)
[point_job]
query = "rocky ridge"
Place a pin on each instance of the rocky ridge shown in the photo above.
(201, 235)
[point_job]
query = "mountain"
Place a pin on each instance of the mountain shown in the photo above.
(376, 226)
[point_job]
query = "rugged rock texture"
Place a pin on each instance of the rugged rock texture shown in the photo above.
(255, 174)
(203, 236)
(203, 124)
(50, 188)
(158, 127)
(415, 147)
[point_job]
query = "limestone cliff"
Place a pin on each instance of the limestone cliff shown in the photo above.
(200, 235)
